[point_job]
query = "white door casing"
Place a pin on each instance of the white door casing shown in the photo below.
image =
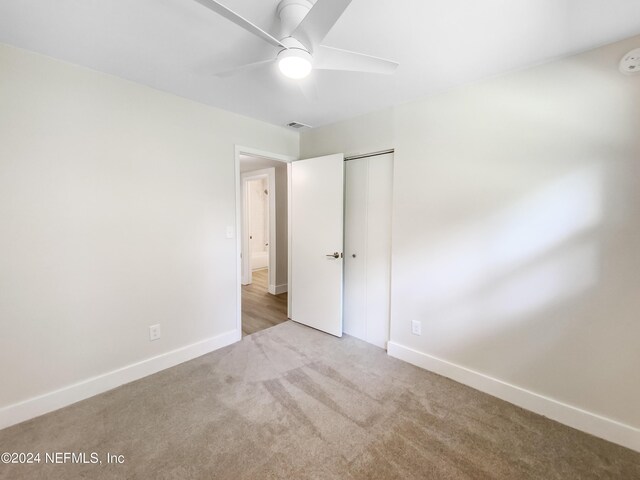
(231, 232)
(268, 173)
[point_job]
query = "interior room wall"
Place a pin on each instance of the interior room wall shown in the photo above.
(516, 226)
(368, 133)
(281, 205)
(516, 230)
(259, 223)
(114, 205)
(282, 230)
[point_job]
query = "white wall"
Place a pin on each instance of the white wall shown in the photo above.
(515, 236)
(114, 200)
(249, 165)
(258, 222)
(516, 230)
(368, 133)
(282, 229)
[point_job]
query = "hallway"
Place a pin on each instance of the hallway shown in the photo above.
(260, 309)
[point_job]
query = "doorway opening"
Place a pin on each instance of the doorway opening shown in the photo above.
(327, 287)
(263, 234)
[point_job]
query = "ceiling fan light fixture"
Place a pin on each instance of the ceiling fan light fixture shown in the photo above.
(304, 25)
(295, 63)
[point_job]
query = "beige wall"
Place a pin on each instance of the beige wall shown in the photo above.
(516, 227)
(114, 202)
(282, 235)
(263, 166)
(516, 230)
(368, 133)
(258, 222)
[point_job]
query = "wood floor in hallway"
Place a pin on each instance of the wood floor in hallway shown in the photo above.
(260, 309)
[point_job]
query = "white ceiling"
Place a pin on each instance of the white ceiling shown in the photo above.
(175, 45)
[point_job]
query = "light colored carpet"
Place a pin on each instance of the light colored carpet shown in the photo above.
(291, 402)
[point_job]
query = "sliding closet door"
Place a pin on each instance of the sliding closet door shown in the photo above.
(367, 276)
(355, 241)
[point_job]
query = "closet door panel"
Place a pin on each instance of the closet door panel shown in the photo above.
(355, 229)
(378, 260)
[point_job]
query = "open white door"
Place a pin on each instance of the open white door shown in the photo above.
(316, 229)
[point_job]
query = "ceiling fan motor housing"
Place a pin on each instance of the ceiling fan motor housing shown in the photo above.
(291, 13)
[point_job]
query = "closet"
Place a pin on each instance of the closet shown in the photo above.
(367, 247)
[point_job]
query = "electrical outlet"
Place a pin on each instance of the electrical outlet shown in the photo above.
(416, 327)
(154, 332)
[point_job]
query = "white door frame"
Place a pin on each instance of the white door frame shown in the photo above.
(240, 150)
(270, 175)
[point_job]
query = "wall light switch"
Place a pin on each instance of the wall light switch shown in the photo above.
(416, 327)
(154, 332)
(229, 232)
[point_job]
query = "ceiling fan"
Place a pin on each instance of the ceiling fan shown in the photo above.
(299, 50)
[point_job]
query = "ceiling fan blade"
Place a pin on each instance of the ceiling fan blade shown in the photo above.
(317, 23)
(309, 88)
(244, 68)
(329, 58)
(240, 21)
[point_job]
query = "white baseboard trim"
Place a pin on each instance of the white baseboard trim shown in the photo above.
(575, 417)
(48, 402)
(278, 289)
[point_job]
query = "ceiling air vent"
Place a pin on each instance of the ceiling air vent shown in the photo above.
(298, 125)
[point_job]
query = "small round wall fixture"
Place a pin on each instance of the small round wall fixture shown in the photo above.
(630, 63)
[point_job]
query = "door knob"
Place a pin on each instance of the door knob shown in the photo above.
(334, 255)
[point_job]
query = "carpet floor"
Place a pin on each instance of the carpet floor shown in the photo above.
(291, 402)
